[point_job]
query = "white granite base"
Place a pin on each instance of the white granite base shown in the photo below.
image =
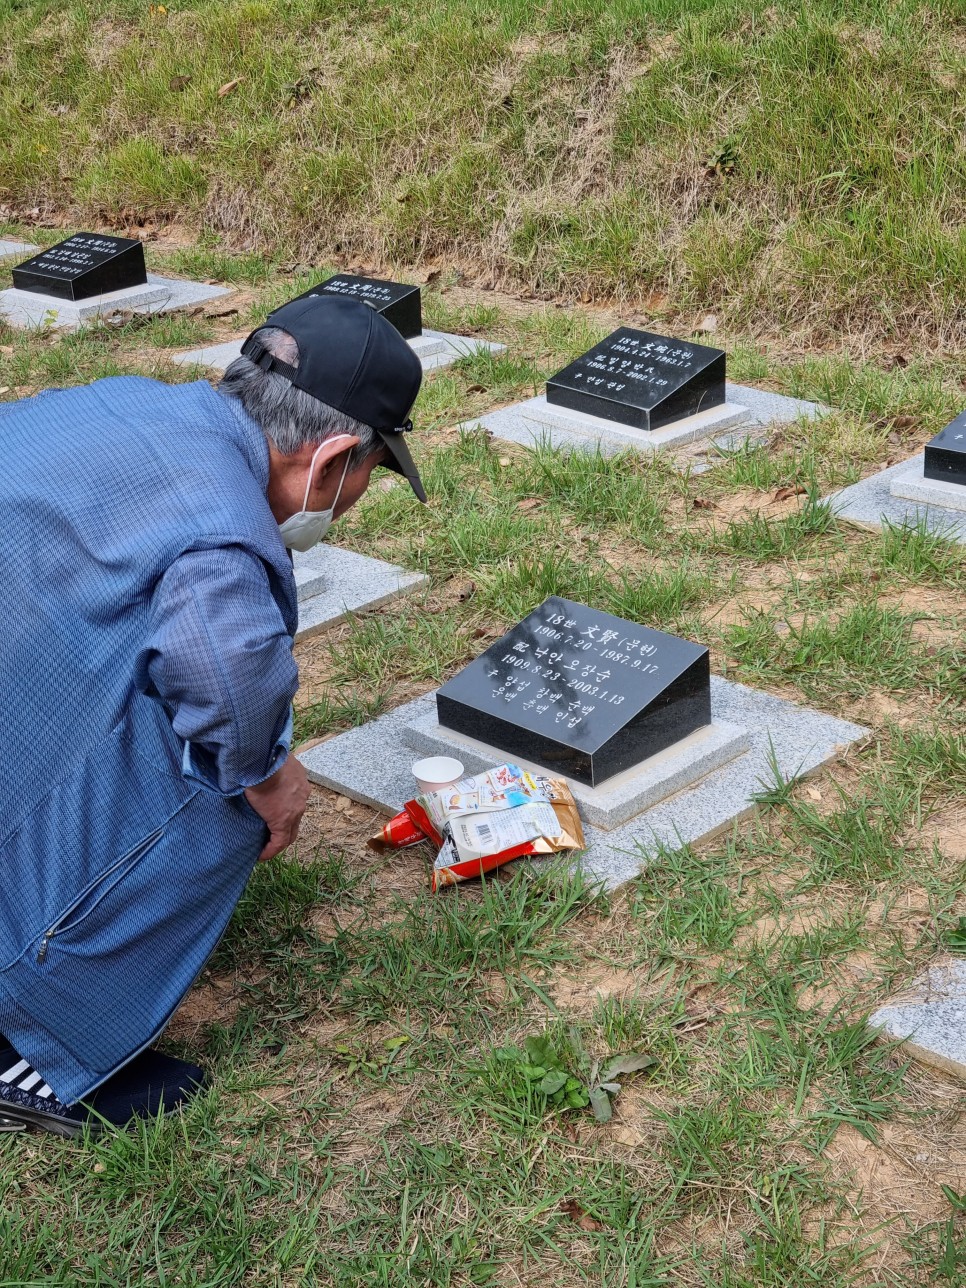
(433, 348)
(332, 583)
(930, 1017)
(914, 486)
(218, 357)
(310, 581)
(9, 248)
(746, 411)
(622, 797)
(871, 504)
(372, 764)
(29, 310)
(457, 346)
(766, 408)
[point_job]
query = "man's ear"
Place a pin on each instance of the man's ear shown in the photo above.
(331, 453)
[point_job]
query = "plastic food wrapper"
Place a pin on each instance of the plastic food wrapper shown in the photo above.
(488, 819)
(399, 832)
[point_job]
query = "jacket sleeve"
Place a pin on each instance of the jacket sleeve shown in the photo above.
(219, 659)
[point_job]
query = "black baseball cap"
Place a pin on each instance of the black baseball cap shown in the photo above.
(353, 359)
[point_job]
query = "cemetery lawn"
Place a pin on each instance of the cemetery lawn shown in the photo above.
(375, 1118)
(799, 169)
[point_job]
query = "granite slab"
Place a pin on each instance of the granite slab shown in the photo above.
(459, 346)
(8, 248)
(766, 408)
(929, 1017)
(217, 357)
(434, 349)
(619, 799)
(914, 487)
(28, 310)
(871, 504)
(310, 581)
(332, 583)
(536, 420)
(372, 764)
(745, 413)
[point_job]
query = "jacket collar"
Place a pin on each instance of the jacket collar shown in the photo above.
(250, 438)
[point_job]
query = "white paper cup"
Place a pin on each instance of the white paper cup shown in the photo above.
(433, 773)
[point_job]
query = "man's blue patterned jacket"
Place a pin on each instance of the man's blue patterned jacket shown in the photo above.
(147, 609)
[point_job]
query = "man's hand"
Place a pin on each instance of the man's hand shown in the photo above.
(281, 802)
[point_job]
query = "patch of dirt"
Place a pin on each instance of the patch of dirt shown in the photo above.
(748, 601)
(214, 1000)
(894, 1182)
(334, 821)
(947, 830)
(371, 1115)
(844, 976)
(881, 709)
(878, 710)
(796, 921)
(580, 994)
(925, 601)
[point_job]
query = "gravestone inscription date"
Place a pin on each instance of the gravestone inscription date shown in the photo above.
(398, 302)
(580, 692)
(641, 379)
(84, 265)
(946, 454)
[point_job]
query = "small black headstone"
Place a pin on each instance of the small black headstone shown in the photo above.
(641, 379)
(398, 302)
(84, 265)
(946, 454)
(580, 692)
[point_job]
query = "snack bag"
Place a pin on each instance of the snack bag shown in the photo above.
(488, 819)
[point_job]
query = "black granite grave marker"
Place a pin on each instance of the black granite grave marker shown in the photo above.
(946, 453)
(580, 692)
(84, 265)
(641, 379)
(398, 302)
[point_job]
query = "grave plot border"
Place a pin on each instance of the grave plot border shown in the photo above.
(10, 248)
(372, 763)
(870, 504)
(929, 1017)
(745, 413)
(434, 349)
(29, 311)
(334, 583)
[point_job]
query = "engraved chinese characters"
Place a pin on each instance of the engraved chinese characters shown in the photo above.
(580, 692)
(641, 379)
(84, 265)
(946, 453)
(397, 302)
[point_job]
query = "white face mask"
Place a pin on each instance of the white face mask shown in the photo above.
(306, 528)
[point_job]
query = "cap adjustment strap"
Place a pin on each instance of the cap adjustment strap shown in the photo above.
(256, 352)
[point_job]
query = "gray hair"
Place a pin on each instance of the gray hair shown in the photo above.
(288, 416)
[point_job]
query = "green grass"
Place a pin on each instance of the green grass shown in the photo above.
(799, 167)
(362, 1129)
(797, 172)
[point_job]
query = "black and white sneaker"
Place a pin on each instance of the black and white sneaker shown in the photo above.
(151, 1084)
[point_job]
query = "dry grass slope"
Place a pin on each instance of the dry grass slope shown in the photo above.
(799, 169)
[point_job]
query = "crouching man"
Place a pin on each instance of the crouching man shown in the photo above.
(148, 608)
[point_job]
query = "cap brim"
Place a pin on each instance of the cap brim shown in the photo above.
(402, 462)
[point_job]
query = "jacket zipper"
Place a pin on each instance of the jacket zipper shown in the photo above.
(131, 857)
